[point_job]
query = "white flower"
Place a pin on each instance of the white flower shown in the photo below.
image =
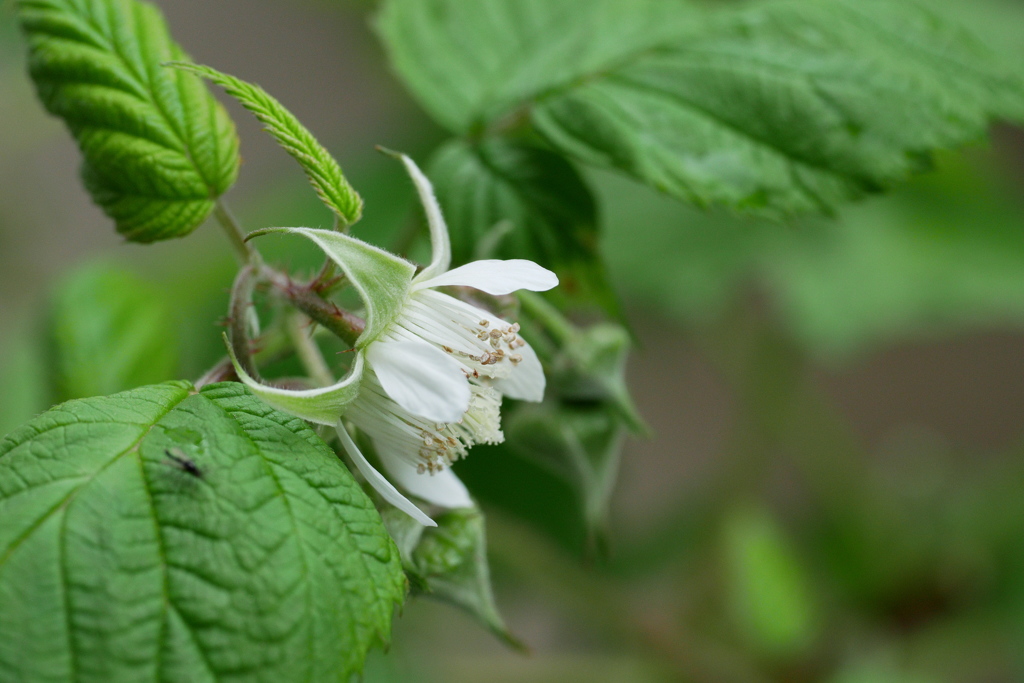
(432, 387)
(428, 380)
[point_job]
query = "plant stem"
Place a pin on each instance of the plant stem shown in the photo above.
(341, 323)
(240, 310)
(309, 353)
(322, 281)
(246, 252)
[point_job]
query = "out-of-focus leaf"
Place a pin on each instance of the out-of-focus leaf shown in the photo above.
(510, 199)
(779, 108)
(110, 332)
(8, 34)
(449, 562)
(169, 534)
(321, 168)
(158, 148)
(948, 253)
(582, 445)
(23, 380)
(945, 253)
(879, 670)
(770, 593)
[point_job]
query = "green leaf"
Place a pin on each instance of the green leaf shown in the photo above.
(779, 108)
(261, 559)
(511, 199)
(158, 149)
(788, 107)
(321, 168)
(110, 331)
(23, 378)
(449, 562)
(470, 63)
(945, 254)
(769, 591)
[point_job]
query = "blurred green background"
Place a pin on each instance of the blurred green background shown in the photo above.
(834, 488)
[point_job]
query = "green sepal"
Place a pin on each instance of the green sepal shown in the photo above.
(321, 406)
(593, 368)
(587, 364)
(381, 278)
(449, 563)
(321, 168)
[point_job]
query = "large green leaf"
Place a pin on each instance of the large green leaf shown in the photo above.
(158, 148)
(788, 107)
(470, 62)
(781, 107)
(510, 199)
(165, 534)
(110, 331)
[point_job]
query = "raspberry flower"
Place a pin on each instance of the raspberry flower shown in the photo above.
(430, 372)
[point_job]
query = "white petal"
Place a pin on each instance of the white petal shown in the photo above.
(441, 247)
(494, 277)
(527, 381)
(378, 482)
(421, 378)
(442, 488)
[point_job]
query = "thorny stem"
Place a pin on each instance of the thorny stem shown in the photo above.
(343, 324)
(322, 282)
(245, 251)
(309, 353)
(239, 315)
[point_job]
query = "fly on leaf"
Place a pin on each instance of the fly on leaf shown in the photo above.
(178, 458)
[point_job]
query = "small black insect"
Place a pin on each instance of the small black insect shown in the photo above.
(183, 462)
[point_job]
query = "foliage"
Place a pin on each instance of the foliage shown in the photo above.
(165, 533)
(321, 168)
(109, 330)
(778, 108)
(158, 149)
(190, 531)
